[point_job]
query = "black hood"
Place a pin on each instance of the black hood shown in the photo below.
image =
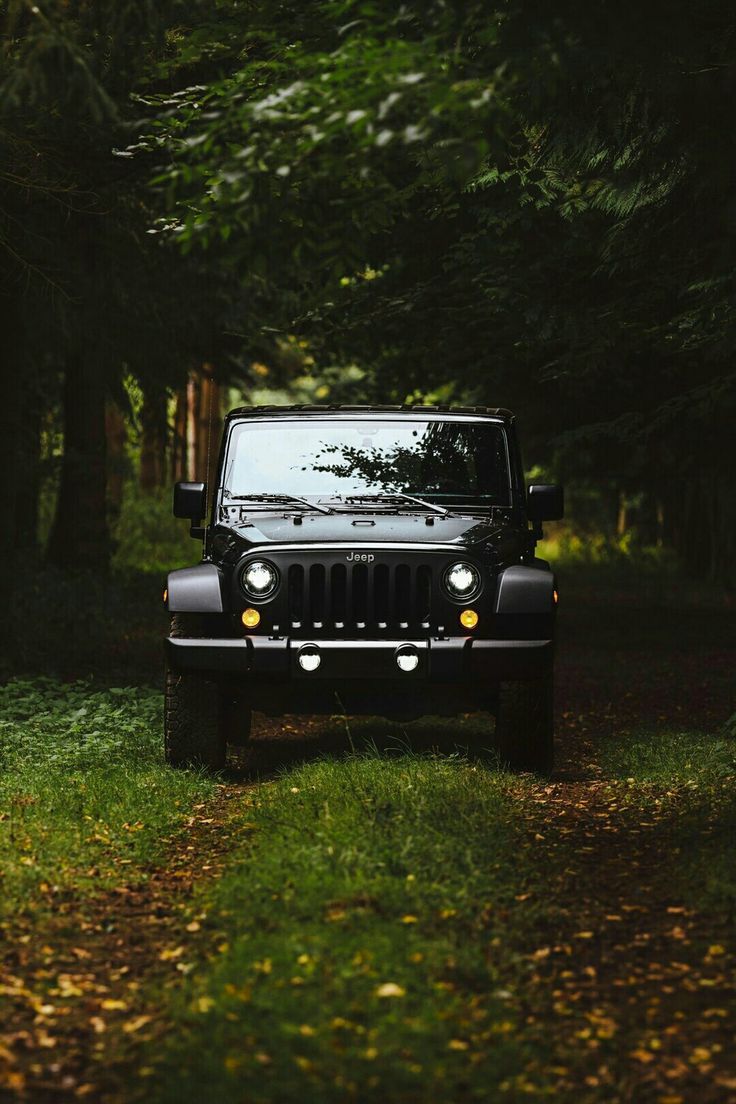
(258, 529)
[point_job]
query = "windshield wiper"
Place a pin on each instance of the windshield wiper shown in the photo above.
(393, 495)
(279, 499)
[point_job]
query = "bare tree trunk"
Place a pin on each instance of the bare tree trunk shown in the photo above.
(12, 337)
(209, 425)
(153, 444)
(192, 416)
(179, 443)
(79, 535)
(29, 459)
(116, 434)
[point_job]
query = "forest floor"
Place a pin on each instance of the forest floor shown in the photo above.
(364, 911)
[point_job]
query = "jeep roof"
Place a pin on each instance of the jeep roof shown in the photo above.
(339, 408)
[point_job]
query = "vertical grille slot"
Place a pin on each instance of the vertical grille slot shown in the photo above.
(423, 608)
(381, 609)
(403, 594)
(296, 594)
(339, 611)
(317, 594)
(360, 594)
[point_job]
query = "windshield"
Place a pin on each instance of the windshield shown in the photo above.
(448, 461)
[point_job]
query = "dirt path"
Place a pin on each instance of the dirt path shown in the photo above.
(82, 983)
(626, 976)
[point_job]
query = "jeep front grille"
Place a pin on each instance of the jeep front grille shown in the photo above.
(358, 596)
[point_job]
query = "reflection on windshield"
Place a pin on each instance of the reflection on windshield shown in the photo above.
(317, 458)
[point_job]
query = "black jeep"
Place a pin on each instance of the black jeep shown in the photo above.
(374, 560)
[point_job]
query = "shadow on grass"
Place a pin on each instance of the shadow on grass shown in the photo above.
(279, 745)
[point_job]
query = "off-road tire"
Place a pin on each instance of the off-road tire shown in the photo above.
(194, 729)
(524, 736)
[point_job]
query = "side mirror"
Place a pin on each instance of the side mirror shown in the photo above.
(190, 501)
(545, 502)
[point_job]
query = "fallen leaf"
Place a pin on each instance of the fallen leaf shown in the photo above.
(390, 989)
(136, 1024)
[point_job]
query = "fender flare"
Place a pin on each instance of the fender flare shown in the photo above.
(522, 590)
(195, 589)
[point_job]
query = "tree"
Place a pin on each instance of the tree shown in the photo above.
(490, 202)
(75, 248)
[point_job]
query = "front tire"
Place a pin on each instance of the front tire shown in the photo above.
(194, 729)
(525, 725)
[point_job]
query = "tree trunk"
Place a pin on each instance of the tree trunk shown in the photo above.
(192, 417)
(116, 434)
(153, 442)
(12, 336)
(209, 425)
(79, 535)
(179, 443)
(29, 458)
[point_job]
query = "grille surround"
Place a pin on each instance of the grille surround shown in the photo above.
(397, 593)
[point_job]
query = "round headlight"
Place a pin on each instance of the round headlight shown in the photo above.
(462, 580)
(259, 579)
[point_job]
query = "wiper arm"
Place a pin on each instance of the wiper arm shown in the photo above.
(422, 502)
(280, 499)
(395, 495)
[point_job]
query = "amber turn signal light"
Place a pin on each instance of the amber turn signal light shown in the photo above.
(468, 619)
(251, 618)
(555, 597)
(166, 595)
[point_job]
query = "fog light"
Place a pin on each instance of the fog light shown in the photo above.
(251, 618)
(468, 619)
(309, 657)
(406, 658)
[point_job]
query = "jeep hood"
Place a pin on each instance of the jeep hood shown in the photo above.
(358, 529)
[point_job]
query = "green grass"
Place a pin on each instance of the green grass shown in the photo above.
(690, 779)
(366, 943)
(421, 878)
(85, 798)
(670, 758)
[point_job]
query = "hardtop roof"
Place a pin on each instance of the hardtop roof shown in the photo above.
(340, 408)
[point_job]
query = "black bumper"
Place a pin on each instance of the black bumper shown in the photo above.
(450, 660)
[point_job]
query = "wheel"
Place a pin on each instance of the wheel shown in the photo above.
(524, 725)
(194, 732)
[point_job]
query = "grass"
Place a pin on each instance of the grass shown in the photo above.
(369, 943)
(376, 932)
(691, 778)
(85, 798)
(670, 758)
(377, 937)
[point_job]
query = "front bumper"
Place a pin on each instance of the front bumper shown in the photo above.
(440, 660)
